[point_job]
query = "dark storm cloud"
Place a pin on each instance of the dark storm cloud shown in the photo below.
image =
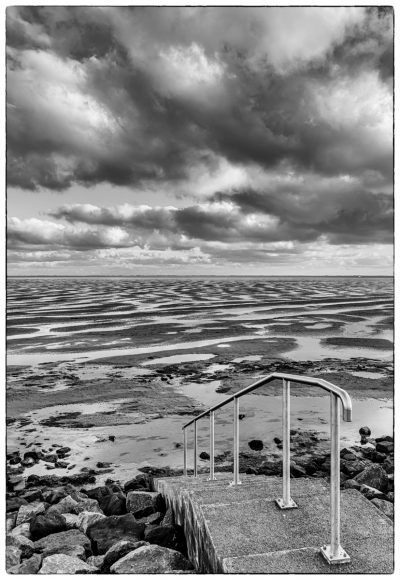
(127, 96)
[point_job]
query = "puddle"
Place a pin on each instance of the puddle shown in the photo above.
(368, 375)
(178, 358)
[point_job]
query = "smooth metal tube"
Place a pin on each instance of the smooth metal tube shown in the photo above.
(335, 477)
(184, 452)
(195, 450)
(286, 441)
(212, 445)
(236, 442)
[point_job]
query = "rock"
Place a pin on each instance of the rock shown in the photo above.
(71, 521)
(113, 504)
(384, 438)
(379, 457)
(111, 437)
(55, 495)
(48, 523)
(33, 495)
(168, 518)
(72, 542)
(29, 566)
(390, 496)
(13, 556)
(108, 531)
(96, 561)
(89, 505)
(171, 536)
(373, 476)
(98, 493)
(14, 503)
(35, 455)
(152, 519)
(388, 465)
(351, 484)
(27, 512)
(138, 482)
(385, 506)
(371, 492)
(67, 505)
(256, 445)
(86, 519)
(22, 530)
(352, 467)
(143, 503)
(365, 432)
(118, 551)
(63, 451)
(204, 455)
(10, 522)
(151, 560)
(21, 542)
(385, 447)
(390, 482)
(270, 468)
(297, 470)
(63, 564)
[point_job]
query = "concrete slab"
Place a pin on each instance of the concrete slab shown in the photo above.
(259, 526)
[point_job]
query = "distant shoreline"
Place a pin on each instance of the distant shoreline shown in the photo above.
(201, 276)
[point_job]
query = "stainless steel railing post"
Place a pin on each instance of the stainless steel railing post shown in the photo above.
(212, 446)
(236, 442)
(334, 552)
(184, 452)
(286, 501)
(195, 450)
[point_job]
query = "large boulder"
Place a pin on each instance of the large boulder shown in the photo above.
(385, 447)
(373, 476)
(151, 560)
(106, 532)
(256, 444)
(143, 503)
(351, 484)
(171, 536)
(385, 506)
(67, 505)
(352, 467)
(96, 561)
(63, 564)
(53, 496)
(45, 524)
(26, 546)
(72, 542)
(27, 512)
(22, 530)
(29, 566)
(86, 519)
(141, 481)
(71, 521)
(14, 503)
(118, 551)
(89, 505)
(13, 556)
(113, 504)
(97, 493)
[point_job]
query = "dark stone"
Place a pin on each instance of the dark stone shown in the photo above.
(251, 471)
(277, 440)
(54, 495)
(113, 504)
(152, 519)
(384, 438)
(351, 484)
(144, 503)
(97, 493)
(63, 451)
(241, 416)
(204, 455)
(171, 536)
(379, 457)
(118, 551)
(385, 447)
(14, 503)
(33, 455)
(111, 437)
(297, 470)
(371, 492)
(110, 530)
(14, 460)
(365, 432)
(70, 542)
(388, 465)
(256, 445)
(45, 524)
(138, 482)
(270, 468)
(373, 476)
(352, 467)
(32, 495)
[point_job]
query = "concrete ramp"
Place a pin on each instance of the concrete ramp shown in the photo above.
(240, 530)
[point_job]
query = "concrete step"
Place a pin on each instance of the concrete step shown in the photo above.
(241, 529)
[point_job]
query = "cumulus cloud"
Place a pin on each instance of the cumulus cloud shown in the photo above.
(139, 95)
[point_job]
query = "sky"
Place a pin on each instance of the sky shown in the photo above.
(199, 140)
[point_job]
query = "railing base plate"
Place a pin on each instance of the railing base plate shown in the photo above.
(232, 483)
(341, 558)
(289, 506)
(211, 478)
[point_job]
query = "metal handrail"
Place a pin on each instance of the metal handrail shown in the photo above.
(333, 552)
